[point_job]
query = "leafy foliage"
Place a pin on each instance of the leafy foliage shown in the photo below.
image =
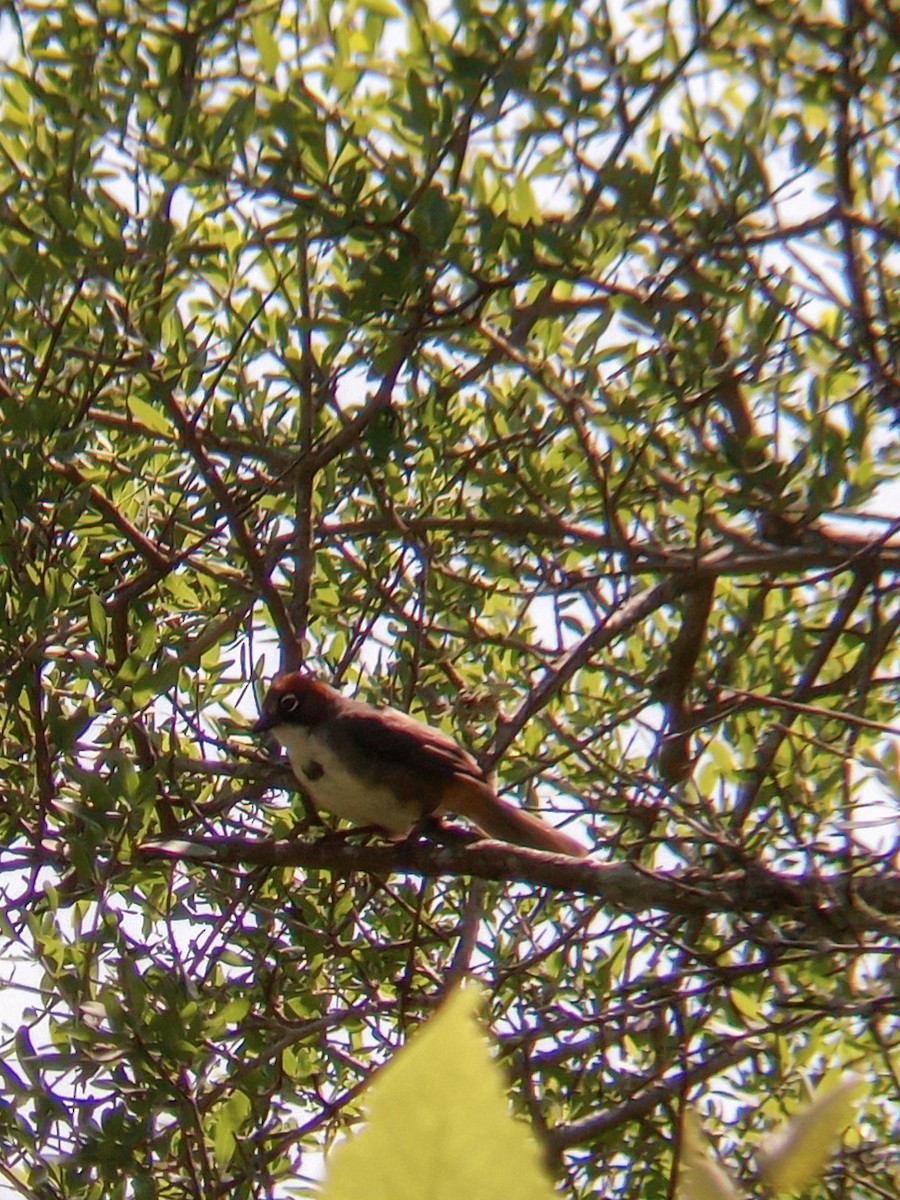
(530, 367)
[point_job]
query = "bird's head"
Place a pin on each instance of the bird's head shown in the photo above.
(295, 698)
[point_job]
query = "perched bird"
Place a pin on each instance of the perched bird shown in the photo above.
(378, 766)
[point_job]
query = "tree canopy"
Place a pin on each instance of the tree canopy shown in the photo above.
(531, 367)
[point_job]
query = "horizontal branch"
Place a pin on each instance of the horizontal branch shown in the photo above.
(827, 550)
(600, 1123)
(838, 905)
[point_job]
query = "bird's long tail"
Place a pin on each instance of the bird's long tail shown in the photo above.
(498, 819)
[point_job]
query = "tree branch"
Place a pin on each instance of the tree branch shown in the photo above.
(836, 906)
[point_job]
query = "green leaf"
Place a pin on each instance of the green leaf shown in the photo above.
(420, 113)
(148, 681)
(231, 1116)
(442, 1099)
(266, 44)
(148, 416)
(97, 619)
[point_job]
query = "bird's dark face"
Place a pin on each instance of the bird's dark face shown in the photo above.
(295, 699)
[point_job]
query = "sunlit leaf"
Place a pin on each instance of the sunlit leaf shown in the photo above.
(444, 1101)
(149, 416)
(701, 1176)
(794, 1155)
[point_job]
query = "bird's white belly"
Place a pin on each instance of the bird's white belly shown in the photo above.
(337, 790)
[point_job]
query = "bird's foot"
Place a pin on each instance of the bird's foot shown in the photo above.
(440, 833)
(340, 836)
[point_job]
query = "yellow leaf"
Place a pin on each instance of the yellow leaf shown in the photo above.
(439, 1124)
(747, 1006)
(701, 1177)
(795, 1154)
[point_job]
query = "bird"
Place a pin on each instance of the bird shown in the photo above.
(377, 766)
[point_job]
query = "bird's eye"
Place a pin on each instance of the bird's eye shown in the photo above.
(289, 704)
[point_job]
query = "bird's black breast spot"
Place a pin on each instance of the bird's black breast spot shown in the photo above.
(313, 771)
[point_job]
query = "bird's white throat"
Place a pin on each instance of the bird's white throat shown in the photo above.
(335, 789)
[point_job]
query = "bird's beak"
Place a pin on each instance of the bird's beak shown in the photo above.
(266, 722)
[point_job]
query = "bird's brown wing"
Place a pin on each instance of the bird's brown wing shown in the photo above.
(427, 768)
(388, 747)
